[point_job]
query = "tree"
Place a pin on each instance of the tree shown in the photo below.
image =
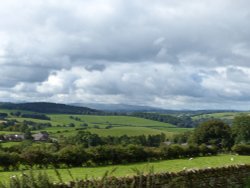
(17, 113)
(72, 155)
(85, 125)
(24, 128)
(213, 132)
(37, 156)
(242, 149)
(155, 140)
(8, 159)
(172, 151)
(241, 129)
(71, 125)
(85, 138)
(3, 115)
(28, 135)
(181, 137)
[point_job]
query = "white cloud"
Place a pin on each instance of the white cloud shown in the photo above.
(174, 54)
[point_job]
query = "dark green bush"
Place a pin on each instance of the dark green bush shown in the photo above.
(241, 149)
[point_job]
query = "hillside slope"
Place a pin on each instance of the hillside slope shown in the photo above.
(51, 108)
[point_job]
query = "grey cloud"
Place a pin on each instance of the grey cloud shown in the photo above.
(237, 75)
(11, 75)
(168, 53)
(126, 80)
(95, 67)
(120, 36)
(155, 84)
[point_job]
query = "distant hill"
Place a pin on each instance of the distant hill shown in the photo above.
(125, 108)
(195, 112)
(99, 109)
(118, 107)
(46, 107)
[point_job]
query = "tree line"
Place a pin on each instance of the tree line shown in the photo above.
(182, 121)
(217, 133)
(13, 125)
(78, 155)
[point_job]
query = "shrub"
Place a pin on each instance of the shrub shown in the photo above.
(241, 149)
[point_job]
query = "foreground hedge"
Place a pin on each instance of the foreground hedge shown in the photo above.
(77, 156)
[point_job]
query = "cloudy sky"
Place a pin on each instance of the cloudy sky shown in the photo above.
(172, 54)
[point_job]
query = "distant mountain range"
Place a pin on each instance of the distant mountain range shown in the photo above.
(46, 107)
(118, 107)
(124, 108)
(93, 108)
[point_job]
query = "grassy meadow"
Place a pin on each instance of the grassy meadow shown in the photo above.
(127, 170)
(222, 115)
(111, 125)
(101, 125)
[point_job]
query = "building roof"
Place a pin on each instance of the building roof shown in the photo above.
(40, 136)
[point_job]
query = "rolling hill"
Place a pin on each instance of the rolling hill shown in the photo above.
(50, 108)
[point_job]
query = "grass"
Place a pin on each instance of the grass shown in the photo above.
(6, 111)
(103, 121)
(126, 170)
(8, 132)
(9, 111)
(115, 131)
(222, 115)
(120, 125)
(20, 119)
(176, 130)
(131, 131)
(10, 144)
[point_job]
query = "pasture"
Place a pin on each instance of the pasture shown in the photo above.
(101, 125)
(127, 169)
(223, 115)
(118, 125)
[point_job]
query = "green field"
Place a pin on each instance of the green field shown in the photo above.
(113, 125)
(120, 125)
(131, 131)
(10, 144)
(161, 166)
(223, 115)
(9, 132)
(117, 125)
(103, 121)
(24, 143)
(9, 111)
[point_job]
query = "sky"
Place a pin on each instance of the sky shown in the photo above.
(173, 54)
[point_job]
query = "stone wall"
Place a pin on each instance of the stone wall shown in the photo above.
(231, 176)
(221, 177)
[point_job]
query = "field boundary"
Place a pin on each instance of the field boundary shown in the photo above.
(219, 177)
